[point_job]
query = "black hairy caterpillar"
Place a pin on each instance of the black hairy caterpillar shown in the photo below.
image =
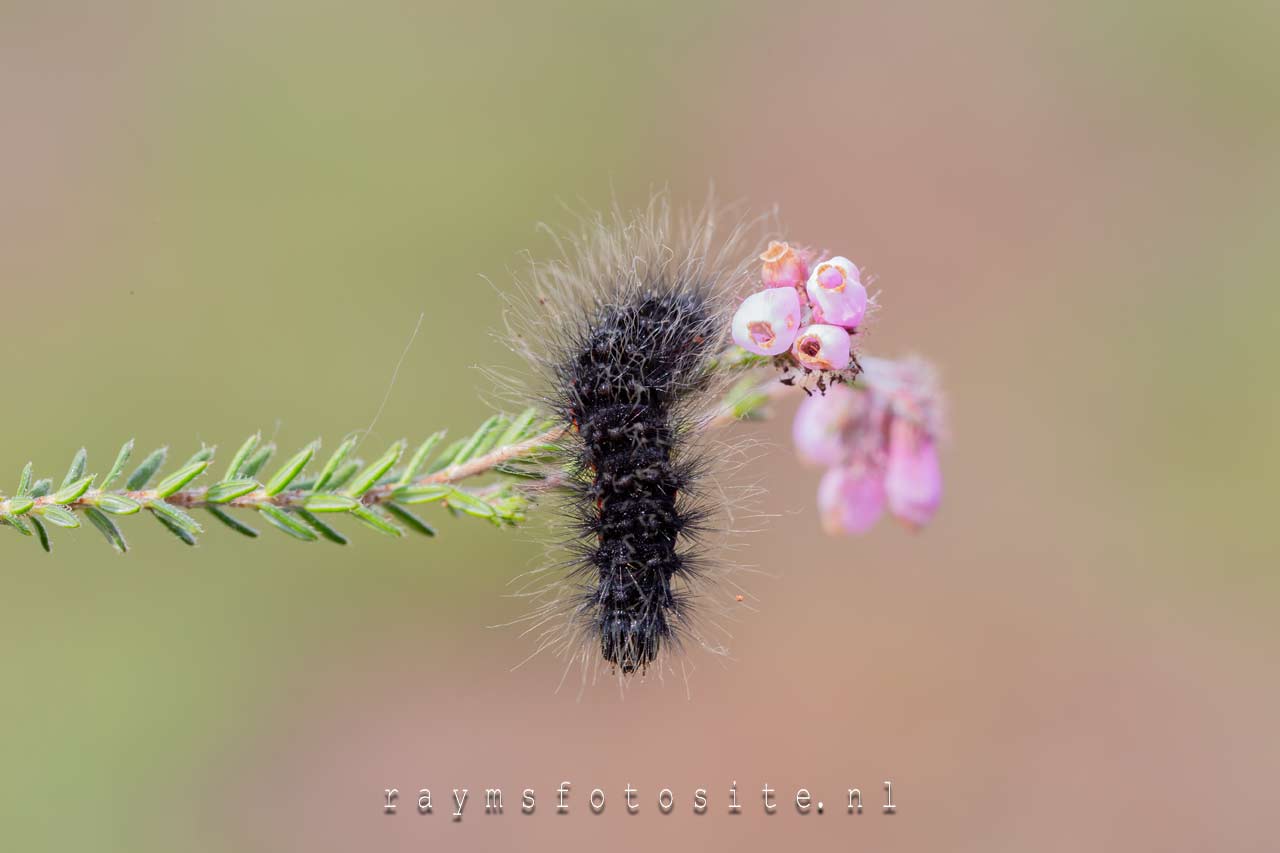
(632, 365)
(625, 327)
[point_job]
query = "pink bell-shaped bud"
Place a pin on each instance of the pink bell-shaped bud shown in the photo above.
(836, 293)
(913, 476)
(821, 424)
(851, 498)
(822, 347)
(766, 323)
(783, 266)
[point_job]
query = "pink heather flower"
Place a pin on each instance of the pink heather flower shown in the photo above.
(851, 498)
(766, 323)
(783, 266)
(913, 477)
(822, 347)
(882, 439)
(821, 423)
(909, 387)
(836, 293)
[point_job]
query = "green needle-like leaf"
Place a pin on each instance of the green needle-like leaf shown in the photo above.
(122, 458)
(229, 490)
(371, 475)
(20, 506)
(43, 536)
(331, 503)
(479, 442)
(146, 470)
(17, 524)
(374, 520)
(335, 463)
(421, 494)
(445, 459)
(77, 468)
(512, 470)
(57, 515)
(172, 517)
(176, 529)
(410, 520)
(343, 475)
(323, 529)
(470, 504)
(290, 470)
(287, 523)
(419, 459)
(108, 529)
(519, 429)
(259, 458)
(116, 504)
(24, 483)
(237, 461)
(204, 454)
(73, 491)
(230, 521)
(174, 482)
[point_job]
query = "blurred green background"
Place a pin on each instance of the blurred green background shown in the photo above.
(216, 218)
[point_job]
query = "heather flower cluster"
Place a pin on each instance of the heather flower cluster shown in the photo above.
(808, 307)
(878, 440)
(879, 444)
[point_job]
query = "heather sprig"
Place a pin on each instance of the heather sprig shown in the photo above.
(304, 496)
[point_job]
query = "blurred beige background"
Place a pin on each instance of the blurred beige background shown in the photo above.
(216, 218)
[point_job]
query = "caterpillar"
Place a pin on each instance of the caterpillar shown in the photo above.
(622, 385)
(634, 312)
